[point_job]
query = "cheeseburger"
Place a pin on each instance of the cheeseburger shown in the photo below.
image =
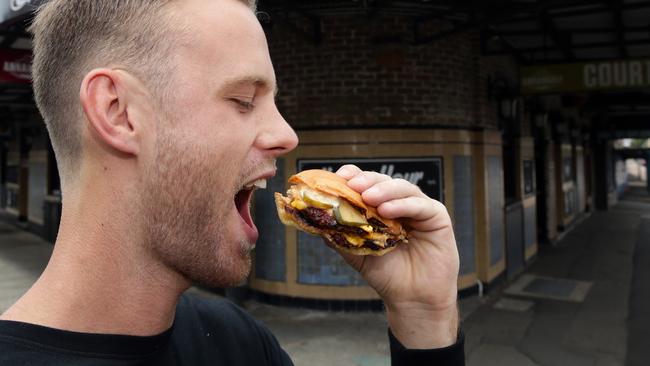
(321, 203)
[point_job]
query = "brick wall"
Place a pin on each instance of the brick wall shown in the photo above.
(350, 79)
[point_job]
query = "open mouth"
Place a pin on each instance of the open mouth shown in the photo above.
(243, 200)
(243, 204)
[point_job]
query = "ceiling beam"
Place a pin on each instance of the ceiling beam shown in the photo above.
(577, 46)
(562, 42)
(608, 30)
(617, 14)
(487, 35)
(599, 7)
(488, 15)
(491, 15)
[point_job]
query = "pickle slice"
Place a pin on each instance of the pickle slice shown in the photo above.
(348, 215)
(319, 200)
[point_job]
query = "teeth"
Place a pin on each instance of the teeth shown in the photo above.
(260, 183)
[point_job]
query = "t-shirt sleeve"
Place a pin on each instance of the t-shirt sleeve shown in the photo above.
(453, 355)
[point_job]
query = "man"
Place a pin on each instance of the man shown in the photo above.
(162, 117)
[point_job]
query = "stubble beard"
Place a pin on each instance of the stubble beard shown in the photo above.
(184, 218)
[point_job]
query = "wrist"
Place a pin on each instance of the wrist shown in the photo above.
(420, 326)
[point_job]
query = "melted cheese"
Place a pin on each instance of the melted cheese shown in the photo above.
(366, 228)
(298, 204)
(354, 240)
(378, 238)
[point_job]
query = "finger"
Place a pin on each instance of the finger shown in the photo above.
(365, 180)
(348, 171)
(389, 190)
(424, 213)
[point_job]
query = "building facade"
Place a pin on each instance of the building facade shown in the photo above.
(515, 168)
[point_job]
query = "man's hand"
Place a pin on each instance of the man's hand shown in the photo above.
(417, 281)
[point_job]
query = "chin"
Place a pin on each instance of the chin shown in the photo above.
(237, 277)
(233, 268)
(231, 277)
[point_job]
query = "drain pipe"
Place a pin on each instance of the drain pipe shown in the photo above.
(480, 288)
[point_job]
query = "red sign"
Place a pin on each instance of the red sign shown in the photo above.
(15, 66)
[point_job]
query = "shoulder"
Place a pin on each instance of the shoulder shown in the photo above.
(216, 312)
(219, 325)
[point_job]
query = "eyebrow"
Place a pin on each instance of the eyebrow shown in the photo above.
(259, 81)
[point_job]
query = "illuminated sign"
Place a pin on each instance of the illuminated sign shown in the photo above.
(586, 76)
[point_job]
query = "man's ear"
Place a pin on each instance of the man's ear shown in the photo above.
(104, 99)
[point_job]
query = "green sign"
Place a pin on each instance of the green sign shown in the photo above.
(586, 76)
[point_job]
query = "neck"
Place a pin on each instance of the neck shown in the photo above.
(100, 279)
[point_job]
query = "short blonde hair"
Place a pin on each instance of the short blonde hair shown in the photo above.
(71, 37)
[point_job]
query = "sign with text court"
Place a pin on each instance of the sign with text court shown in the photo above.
(620, 74)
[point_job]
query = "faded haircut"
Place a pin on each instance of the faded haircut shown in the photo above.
(72, 37)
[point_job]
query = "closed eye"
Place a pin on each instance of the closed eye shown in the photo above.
(246, 106)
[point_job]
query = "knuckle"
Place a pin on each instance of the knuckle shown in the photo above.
(401, 182)
(370, 175)
(440, 207)
(349, 167)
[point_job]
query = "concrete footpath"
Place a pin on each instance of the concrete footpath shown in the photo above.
(553, 332)
(602, 322)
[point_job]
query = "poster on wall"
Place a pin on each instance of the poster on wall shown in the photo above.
(529, 183)
(425, 173)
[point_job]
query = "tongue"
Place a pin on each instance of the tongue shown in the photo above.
(242, 200)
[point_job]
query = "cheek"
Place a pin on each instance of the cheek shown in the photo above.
(232, 141)
(218, 130)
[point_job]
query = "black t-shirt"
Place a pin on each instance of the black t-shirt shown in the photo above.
(205, 332)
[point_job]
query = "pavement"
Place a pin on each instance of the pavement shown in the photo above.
(591, 332)
(607, 323)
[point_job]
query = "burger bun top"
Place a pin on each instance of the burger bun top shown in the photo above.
(337, 186)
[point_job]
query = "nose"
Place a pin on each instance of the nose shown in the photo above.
(276, 137)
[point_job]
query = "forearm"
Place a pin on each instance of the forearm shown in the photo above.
(419, 327)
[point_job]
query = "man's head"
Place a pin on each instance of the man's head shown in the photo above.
(171, 104)
(73, 37)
